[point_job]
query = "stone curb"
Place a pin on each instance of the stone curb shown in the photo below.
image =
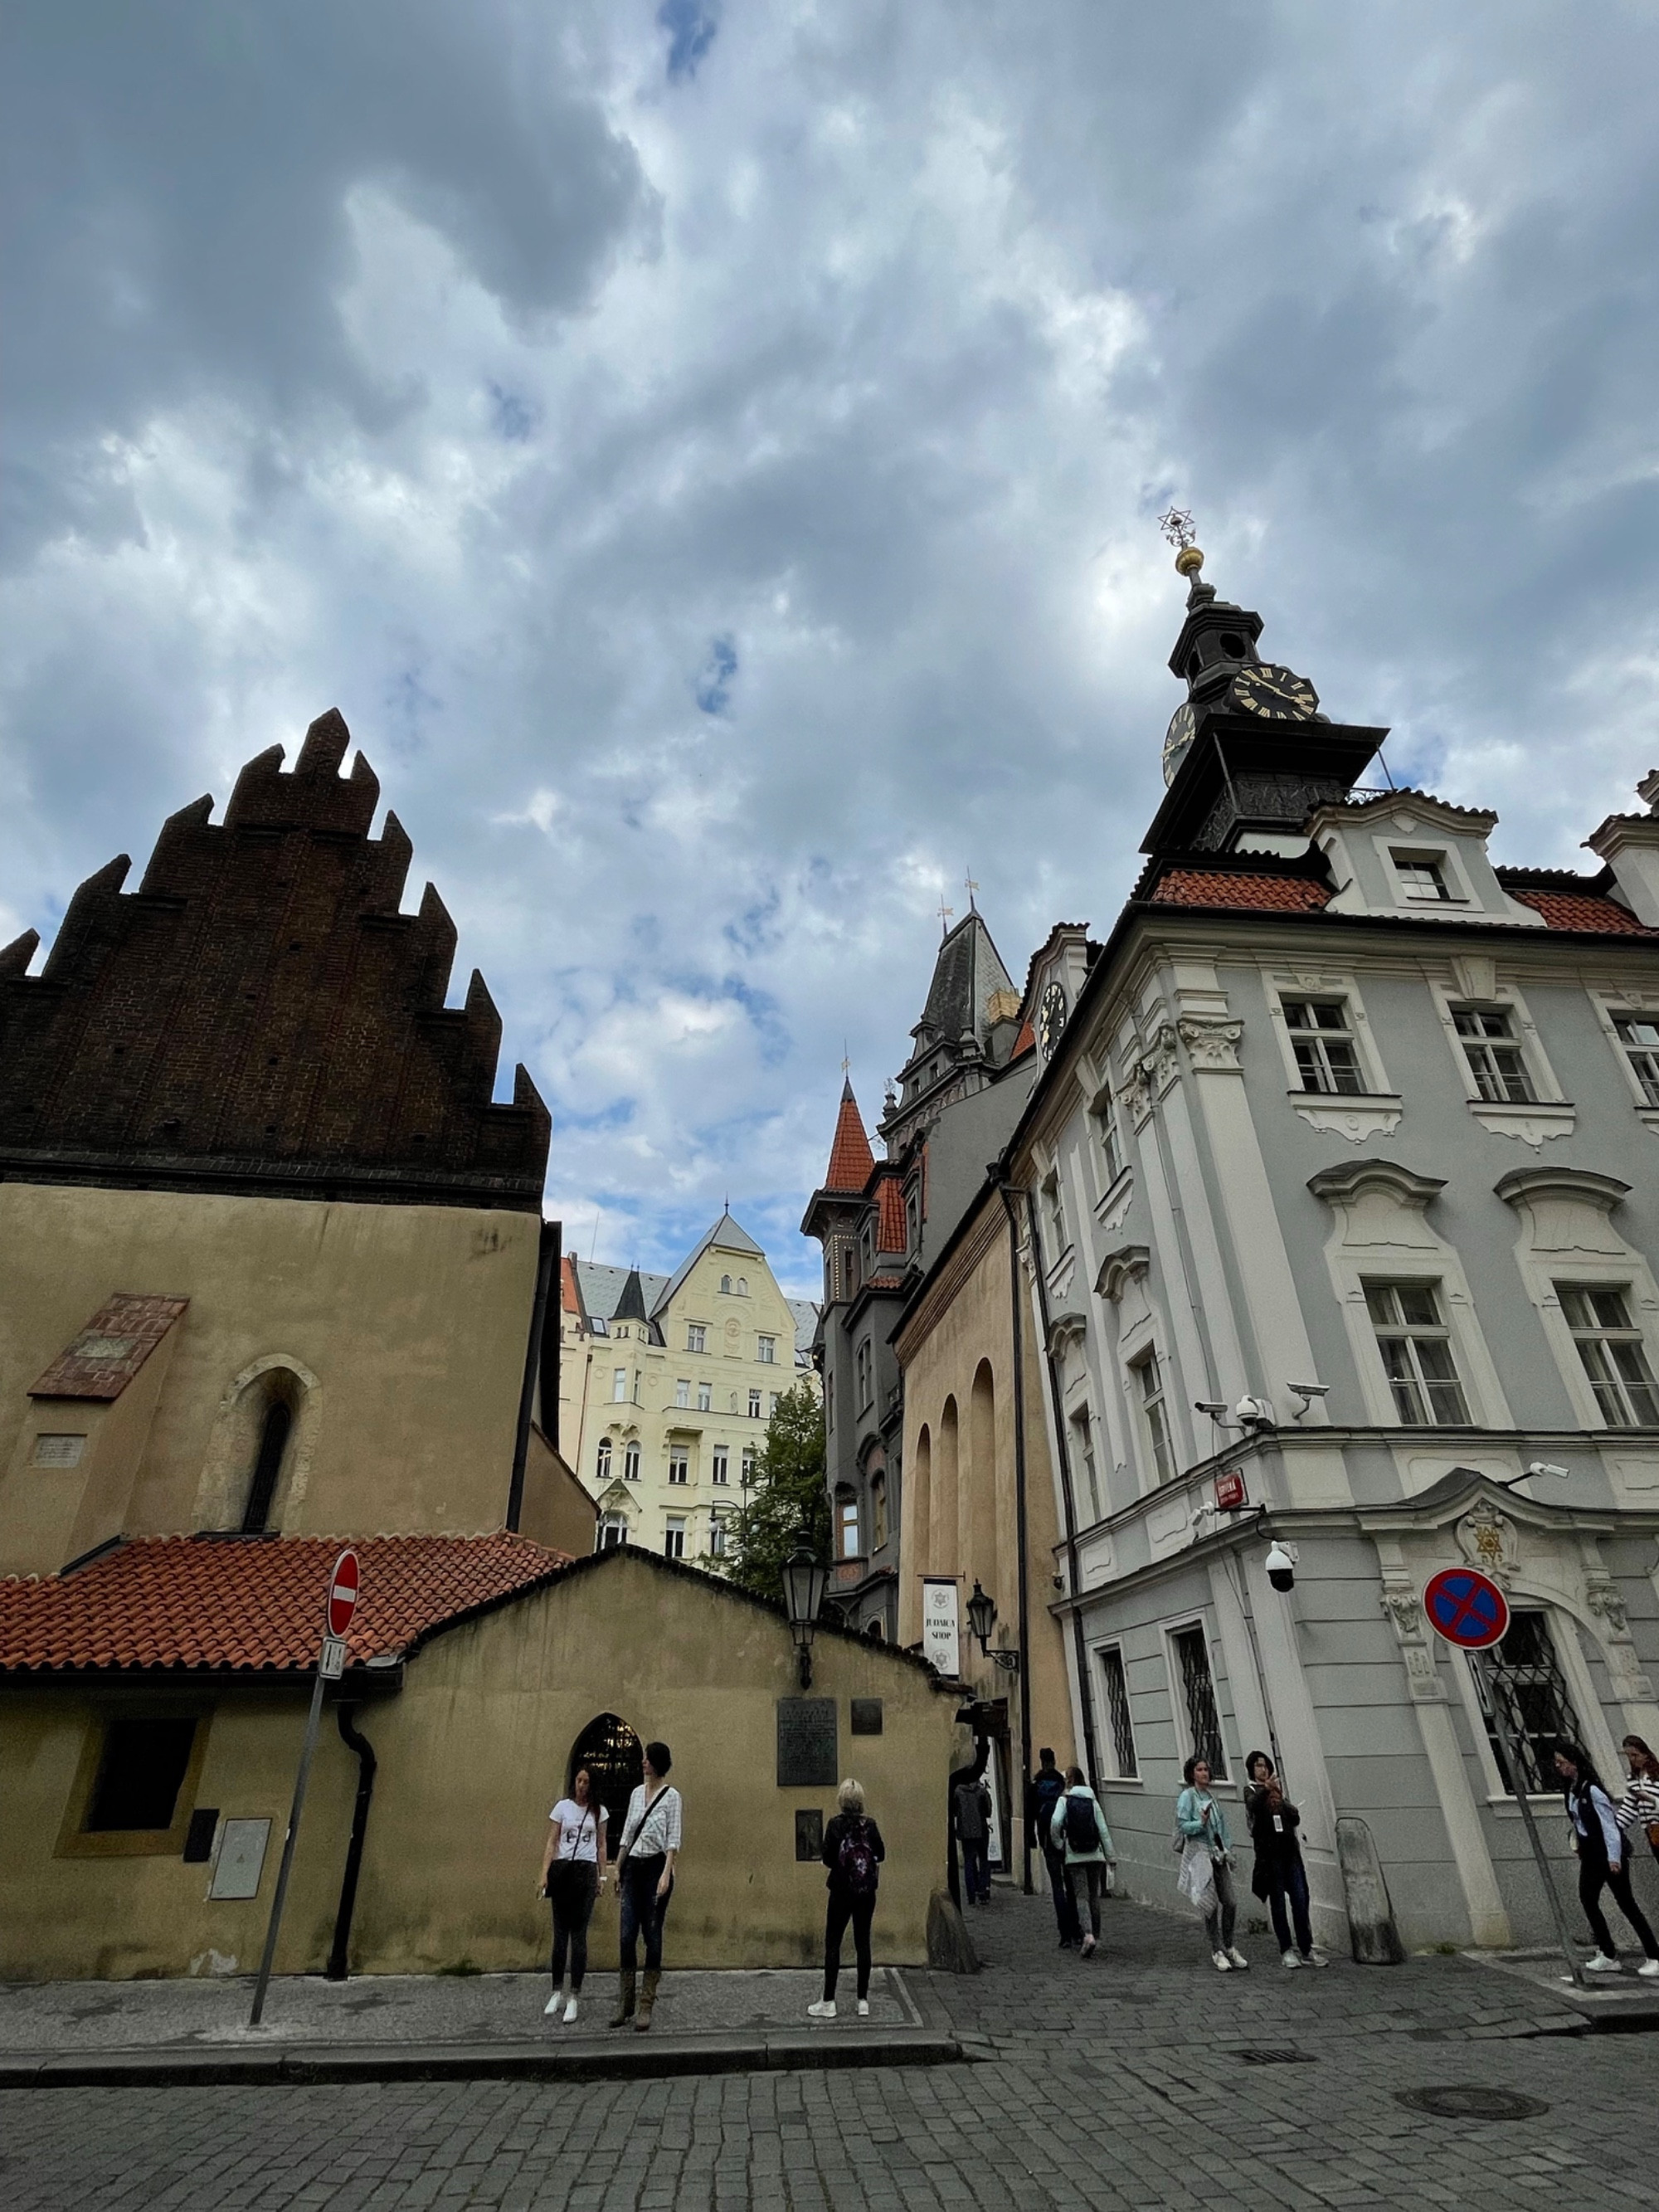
(613, 2058)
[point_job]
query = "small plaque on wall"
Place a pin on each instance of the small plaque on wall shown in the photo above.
(809, 1832)
(806, 1743)
(866, 1715)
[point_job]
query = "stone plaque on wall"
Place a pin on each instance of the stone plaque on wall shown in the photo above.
(866, 1715)
(806, 1743)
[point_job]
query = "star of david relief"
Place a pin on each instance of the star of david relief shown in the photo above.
(1489, 1540)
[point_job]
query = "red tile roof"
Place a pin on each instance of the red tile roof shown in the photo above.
(1025, 1042)
(892, 1235)
(111, 1347)
(851, 1162)
(1220, 887)
(254, 1605)
(1581, 911)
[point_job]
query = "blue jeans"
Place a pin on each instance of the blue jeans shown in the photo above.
(643, 1911)
(975, 1876)
(1292, 1883)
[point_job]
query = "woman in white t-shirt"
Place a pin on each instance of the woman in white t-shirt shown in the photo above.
(572, 1874)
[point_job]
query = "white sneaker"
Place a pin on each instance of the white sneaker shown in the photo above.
(1237, 1960)
(1289, 1959)
(863, 2004)
(570, 2012)
(1601, 1963)
(1649, 1970)
(552, 2004)
(1316, 1958)
(824, 2009)
(1223, 1965)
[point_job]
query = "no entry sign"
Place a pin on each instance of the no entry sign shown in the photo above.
(1467, 1607)
(343, 1593)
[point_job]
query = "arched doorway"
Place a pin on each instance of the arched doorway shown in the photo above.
(611, 1752)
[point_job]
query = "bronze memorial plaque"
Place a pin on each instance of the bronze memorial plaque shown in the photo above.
(866, 1715)
(806, 1743)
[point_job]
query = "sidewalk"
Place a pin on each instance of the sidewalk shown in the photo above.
(448, 2028)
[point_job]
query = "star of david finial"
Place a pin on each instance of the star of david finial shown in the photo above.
(1178, 527)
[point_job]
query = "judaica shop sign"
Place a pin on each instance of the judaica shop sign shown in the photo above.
(941, 1638)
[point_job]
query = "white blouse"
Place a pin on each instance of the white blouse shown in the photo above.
(649, 1835)
(578, 1827)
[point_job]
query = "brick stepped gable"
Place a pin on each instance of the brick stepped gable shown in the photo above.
(258, 1016)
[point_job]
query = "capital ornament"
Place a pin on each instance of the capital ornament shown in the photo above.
(1212, 1042)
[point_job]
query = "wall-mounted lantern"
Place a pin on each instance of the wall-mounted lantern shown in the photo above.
(804, 1582)
(982, 1619)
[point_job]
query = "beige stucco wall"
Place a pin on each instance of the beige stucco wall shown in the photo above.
(471, 1755)
(405, 1325)
(970, 1528)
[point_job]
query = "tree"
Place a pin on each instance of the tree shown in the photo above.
(788, 1496)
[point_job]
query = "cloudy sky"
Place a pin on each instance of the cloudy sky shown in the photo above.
(710, 454)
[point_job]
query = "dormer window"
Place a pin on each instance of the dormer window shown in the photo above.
(1422, 879)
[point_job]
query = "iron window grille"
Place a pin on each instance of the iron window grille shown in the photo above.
(1493, 1054)
(1322, 1039)
(1149, 1377)
(1198, 1695)
(1534, 1690)
(1118, 1714)
(1416, 1355)
(1640, 1039)
(1613, 1357)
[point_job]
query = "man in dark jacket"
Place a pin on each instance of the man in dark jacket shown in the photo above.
(970, 1808)
(1043, 1793)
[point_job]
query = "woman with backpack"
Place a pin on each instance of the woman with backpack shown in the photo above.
(1603, 1863)
(1077, 1824)
(852, 1851)
(1206, 1865)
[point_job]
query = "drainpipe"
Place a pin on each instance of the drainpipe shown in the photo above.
(1021, 1532)
(337, 1969)
(532, 1357)
(552, 1342)
(1086, 1686)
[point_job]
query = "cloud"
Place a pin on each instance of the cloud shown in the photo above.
(493, 372)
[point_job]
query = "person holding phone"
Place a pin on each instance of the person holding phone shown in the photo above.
(645, 1877)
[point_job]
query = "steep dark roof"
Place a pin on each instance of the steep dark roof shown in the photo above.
(967, 970)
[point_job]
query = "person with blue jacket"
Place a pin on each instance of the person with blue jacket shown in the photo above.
(1078, 1828)
(1206, 1876)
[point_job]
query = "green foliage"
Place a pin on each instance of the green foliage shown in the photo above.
(788, 1495)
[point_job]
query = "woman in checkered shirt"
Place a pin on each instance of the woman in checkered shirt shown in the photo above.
(1639, 1807)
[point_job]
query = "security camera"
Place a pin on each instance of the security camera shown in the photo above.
(1215, 1407)
(1544, 1467)
(1253, 1413)
(1281, 1565)
(1307, 1392)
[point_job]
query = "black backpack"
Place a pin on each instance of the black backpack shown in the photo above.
(1082, 1830)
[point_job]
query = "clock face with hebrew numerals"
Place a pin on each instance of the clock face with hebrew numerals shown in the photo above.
(1177, 739)
(1278, 694)
(1051, 1020)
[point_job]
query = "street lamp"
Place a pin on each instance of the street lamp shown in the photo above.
(982, 1619)
(804, 1582)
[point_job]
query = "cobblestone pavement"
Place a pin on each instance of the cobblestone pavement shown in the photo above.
(1113, 2082)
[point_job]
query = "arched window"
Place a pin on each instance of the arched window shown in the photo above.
(611, 1531)
(611, 1752)
(602, 1466)
(743, 1286)
(725, 1286)
(262, 1490)
(631, 1462)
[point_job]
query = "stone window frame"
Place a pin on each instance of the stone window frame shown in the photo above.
(1129, 1440)
(1112, 1646)
(1377, 1110)
(1608, 1001)
(1442, 853)
(1549, 1112)
(1563, 1626)
(1612, 1264)
(1423, 1257)
(1182, 1624)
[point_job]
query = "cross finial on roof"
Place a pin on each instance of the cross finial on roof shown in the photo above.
(945, 914)
(846, 1062)
(971, 887)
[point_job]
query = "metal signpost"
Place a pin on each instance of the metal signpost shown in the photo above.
(1468, 1609)
(343, 1585)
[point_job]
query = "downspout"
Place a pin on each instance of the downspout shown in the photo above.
(1021, 1534)
(552, 1343)
(1086, 1686)
(549, 1245)
(337, 1969)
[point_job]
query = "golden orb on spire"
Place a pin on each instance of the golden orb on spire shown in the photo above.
(1188, 561)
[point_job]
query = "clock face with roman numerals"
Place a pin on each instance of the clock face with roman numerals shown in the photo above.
(1278, 694)
(1051, 1019)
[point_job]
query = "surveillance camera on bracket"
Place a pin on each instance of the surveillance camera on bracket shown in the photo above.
(1280, 1563)
(1546, 1466)
(1215, 1407)
(1307, 1392)
(1253, 1413)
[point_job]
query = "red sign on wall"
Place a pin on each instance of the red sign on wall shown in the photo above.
(1230, 1491)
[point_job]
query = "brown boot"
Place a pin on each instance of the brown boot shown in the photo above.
(648, 1998)
(625, 1999)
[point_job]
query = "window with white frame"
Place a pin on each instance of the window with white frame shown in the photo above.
(766, 1350)
(912, 1216)
(1639, 1034)
(618, 1386)
(1422, 877)
(705, 1397)
(1323, 1042)
(754, 1405)
(1530, 1710)
(1195, 1687)
(1414, 1341)
(725, 1286)
(864, 1370)
(696, 1336)
(1119, 1721)
(602, 1460)
(1083, 1458)
(1110, 1137)
(743, 1286)
(771, 1403)
(847, 1523)
(720, 1464)
(1496, 1062)
(746, 1469)
(717, 1535)
(1147, 1372)
(631, 1461)
(679, 1463)
(1054, 1217)
(611, 1531)
(683, 1391)
(1614, 1357)
(673, 1542)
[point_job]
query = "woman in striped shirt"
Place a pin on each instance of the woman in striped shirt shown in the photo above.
(645, 1877)
(1639, 1807)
